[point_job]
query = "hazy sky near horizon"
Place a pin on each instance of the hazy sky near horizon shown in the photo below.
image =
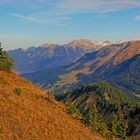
(26, 23)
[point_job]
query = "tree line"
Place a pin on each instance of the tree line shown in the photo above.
(6, 62)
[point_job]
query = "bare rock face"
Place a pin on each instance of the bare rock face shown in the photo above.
(51, 55)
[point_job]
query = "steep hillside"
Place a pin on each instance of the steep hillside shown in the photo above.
(108, 101)
(28, 113)
(130, 51)
(46, 56)
(93, 67)
(126, 75)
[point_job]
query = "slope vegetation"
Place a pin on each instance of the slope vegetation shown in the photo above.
(28, 113)
(109, 102)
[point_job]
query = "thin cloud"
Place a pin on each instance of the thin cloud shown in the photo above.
(26, 1)
(93, 5)
(96, 5)
(28, 18)
(62, 11)
(43, 17)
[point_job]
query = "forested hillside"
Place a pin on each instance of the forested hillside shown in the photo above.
(106, 109)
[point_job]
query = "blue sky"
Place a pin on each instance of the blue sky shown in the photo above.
(26, 23)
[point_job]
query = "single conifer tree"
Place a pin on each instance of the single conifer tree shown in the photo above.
(6, 62)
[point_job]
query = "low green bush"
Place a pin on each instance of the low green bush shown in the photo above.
(17, 91)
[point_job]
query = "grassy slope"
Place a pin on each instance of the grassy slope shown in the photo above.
(30, 114)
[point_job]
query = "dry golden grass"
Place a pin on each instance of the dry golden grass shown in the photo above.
(27, 113)
(70, 78)
(127, 53)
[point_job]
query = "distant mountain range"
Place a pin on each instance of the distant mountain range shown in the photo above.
(49, 55)
(84, 62)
